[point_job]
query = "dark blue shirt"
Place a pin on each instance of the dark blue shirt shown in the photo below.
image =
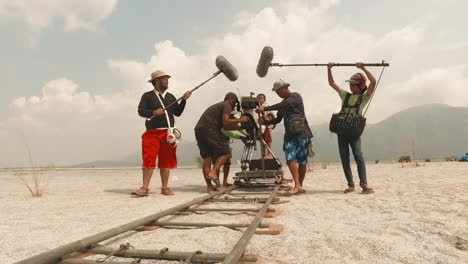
(290, 106)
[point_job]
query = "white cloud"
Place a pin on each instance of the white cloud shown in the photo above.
(102, 126)
(74, 14)
(68, 125)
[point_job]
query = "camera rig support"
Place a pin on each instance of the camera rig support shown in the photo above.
(256, 169)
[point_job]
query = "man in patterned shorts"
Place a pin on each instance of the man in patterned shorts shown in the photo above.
(297, 135)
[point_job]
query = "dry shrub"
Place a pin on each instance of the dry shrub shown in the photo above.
(35, 187)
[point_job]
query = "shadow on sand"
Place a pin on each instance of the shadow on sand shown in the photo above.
(314, 192)
(184, 188)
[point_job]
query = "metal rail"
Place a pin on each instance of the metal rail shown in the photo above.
(55, 255)
(71, 253)
(239, 248)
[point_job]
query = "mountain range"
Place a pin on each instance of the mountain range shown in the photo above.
(433, 131)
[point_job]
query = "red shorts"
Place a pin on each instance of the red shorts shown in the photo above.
(154, 144)
(267, 136)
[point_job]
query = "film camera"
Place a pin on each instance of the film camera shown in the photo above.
(249, 102)
(257, 169)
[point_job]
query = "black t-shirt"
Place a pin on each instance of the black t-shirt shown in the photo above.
(149, 102)
(212, 118)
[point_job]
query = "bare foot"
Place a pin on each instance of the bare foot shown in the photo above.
(211, 189)
(212, 176)
(226, 184)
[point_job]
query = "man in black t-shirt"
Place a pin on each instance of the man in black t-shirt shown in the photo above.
(154, 141)
(211, 141)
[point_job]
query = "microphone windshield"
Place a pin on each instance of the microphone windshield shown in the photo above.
(265, 61)
(226, 68)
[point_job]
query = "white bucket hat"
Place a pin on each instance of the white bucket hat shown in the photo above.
(157, 74)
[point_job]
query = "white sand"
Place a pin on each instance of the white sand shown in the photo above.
(418, 215)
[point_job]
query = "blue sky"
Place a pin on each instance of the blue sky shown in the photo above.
(76, 69)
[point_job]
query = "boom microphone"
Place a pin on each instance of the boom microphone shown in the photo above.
(265, 61)
(226, 68)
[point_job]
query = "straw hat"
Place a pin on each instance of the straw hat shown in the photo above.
(157, 74)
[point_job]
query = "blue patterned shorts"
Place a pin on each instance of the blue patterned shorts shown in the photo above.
(297, 149)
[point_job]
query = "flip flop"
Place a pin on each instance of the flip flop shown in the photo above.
(166, 191)
(142, 192)
(295, 191)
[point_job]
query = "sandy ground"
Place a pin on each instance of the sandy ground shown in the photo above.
(417, 215)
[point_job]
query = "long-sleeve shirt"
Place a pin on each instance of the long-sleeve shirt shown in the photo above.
(149, 102)
(290, 106)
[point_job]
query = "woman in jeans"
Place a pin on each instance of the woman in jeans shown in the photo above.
(357, 99)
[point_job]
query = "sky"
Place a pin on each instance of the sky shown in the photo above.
(73, 71)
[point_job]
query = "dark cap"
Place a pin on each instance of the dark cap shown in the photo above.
(230, 95)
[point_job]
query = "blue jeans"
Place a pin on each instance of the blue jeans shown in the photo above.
(344, 143)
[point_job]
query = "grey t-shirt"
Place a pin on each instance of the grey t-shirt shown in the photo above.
(290, 106)
(212, 118)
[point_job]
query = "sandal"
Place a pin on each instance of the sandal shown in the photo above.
(367, 190)
(142, 192)
(295, 191)
(166, 191)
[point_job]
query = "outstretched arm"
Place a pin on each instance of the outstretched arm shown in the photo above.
(331, 81)
(274, 121)
(371, 88)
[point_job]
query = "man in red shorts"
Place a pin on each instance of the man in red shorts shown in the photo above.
(154, 140)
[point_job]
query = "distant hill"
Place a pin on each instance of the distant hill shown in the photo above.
(434, 131)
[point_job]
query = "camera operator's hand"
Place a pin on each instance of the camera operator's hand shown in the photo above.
(243, 119)
(260, 110)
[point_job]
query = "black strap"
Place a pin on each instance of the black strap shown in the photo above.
(348, 98)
